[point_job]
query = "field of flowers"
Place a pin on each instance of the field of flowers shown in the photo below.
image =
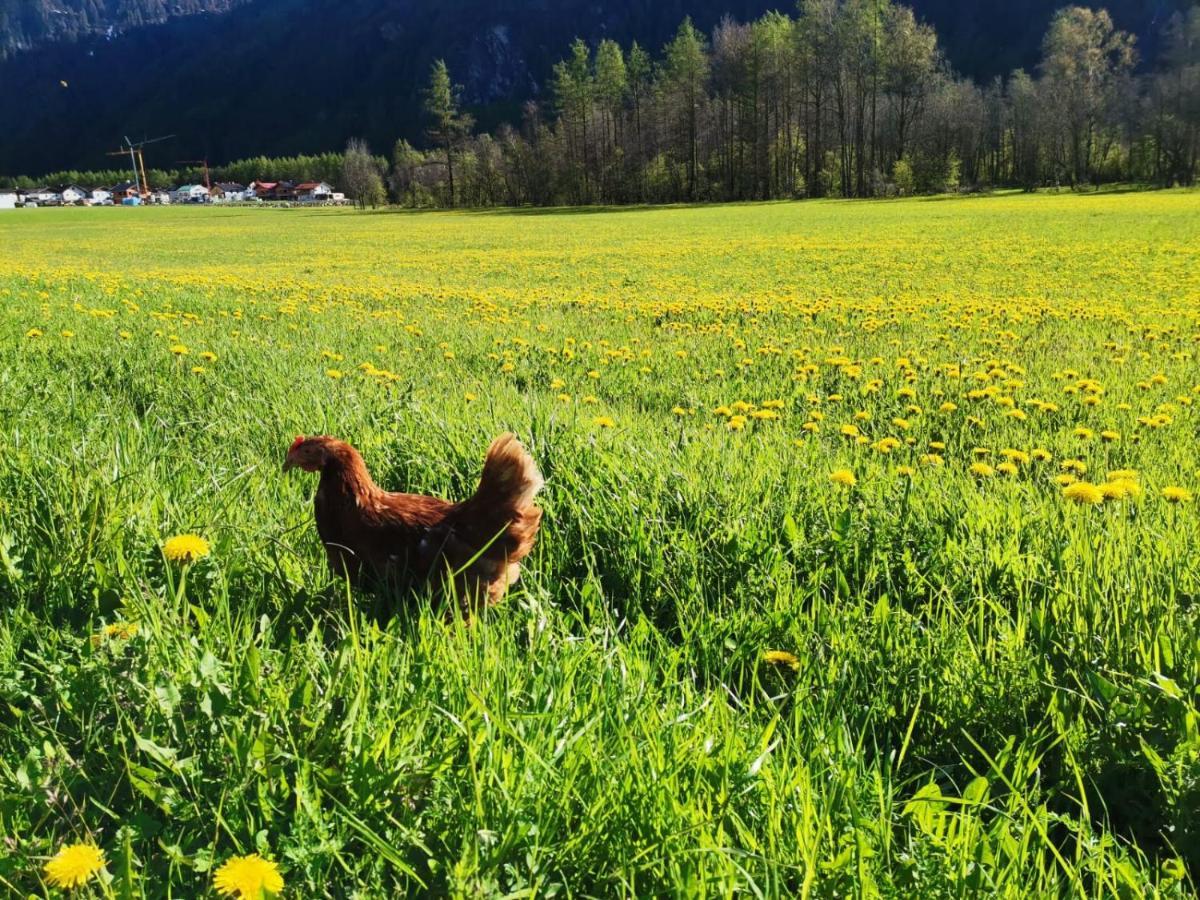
(869, 561)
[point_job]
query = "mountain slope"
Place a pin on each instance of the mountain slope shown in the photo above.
(287, 76)
(28, 23)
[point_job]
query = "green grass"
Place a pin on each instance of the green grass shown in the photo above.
(996, 690)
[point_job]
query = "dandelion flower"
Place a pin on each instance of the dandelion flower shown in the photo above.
(34, 333)
(1008, 469)
(248, 877)
(74, 865)
(905, 471)
(603, 422)
(982, 470)
(185, 548)
(1173, 494)
(1083, 493)
(782, 659)
(1121, 489)
(843, 477)
(334, 373)
(179, 349)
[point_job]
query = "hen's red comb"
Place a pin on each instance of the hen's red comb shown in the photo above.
(297, 442)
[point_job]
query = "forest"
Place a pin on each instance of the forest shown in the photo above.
(847, 98)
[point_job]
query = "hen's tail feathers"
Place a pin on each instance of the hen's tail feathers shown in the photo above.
(510, 476)
(501, 515)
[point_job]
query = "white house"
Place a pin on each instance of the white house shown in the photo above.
(314, 192)
(72, 194)
(160, 198)
(227, 192)
(190, 193)
(8, 199)
(101, 197)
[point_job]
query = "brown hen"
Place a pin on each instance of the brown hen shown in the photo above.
(379, 538)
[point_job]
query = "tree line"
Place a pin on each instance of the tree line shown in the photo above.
(318, 167)
(845, 98)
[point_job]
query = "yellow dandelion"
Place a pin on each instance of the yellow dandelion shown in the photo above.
(843, 477)
(179, 349)
(470, 397)
(603, 422)
(34, 333)
(248, 877)
(208, 356)
(74, 865)
(736, 423)
(1121, 489)
(1173, 494)
(783, 659)
(185, 548)
(1083, 493)
(982, 470)
(1008, 469)
(334, 373)
(905, 471)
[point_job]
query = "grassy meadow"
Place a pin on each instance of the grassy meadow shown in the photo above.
(869, 561)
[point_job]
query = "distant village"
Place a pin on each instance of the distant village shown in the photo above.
(129, 193)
